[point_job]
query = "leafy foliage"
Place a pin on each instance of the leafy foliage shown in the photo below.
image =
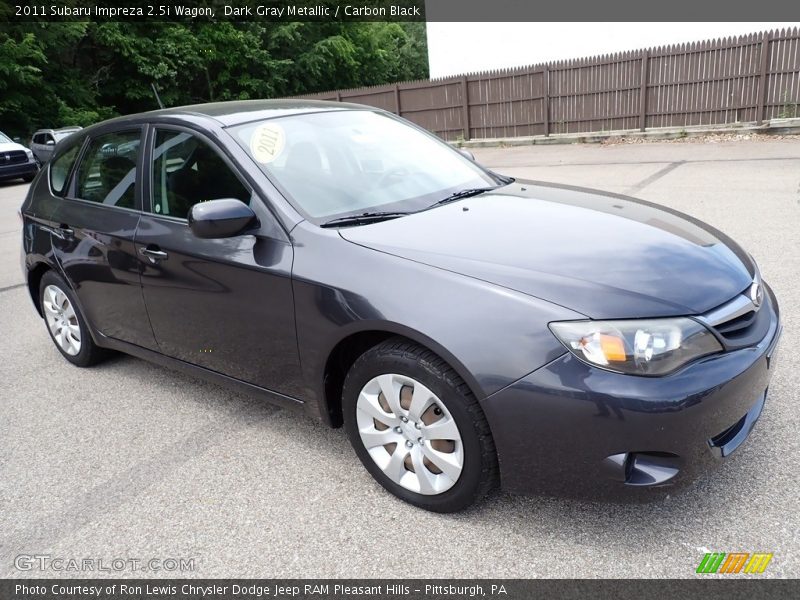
(77, 73)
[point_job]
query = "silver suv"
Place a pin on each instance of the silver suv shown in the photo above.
(44, 141)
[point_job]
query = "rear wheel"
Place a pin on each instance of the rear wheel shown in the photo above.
(65, 324)
(417, 427)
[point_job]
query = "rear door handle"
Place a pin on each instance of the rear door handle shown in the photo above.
(154, 253)
(61, 232)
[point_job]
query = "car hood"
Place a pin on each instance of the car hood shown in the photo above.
(10, 146)
(603, 255)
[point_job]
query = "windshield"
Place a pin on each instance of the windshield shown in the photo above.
(4, 138)
(348, 162)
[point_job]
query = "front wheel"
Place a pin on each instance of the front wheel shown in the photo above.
(417, 427)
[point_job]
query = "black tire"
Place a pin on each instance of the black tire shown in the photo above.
(480, 471)
(90, 353)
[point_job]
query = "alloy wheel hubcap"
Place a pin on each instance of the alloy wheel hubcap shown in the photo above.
(62, 320)
(410, 434)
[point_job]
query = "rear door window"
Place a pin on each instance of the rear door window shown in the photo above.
(107, 172)
(60, 169)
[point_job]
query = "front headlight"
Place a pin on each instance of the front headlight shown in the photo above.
(637, 347)
(29, 153)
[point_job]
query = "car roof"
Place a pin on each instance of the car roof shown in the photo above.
(244, 111)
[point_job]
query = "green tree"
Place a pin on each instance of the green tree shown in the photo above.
(21, 63)
(54, 74)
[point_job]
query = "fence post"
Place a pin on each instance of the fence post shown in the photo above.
(762, 78)
(397, 99)
(465, 118)
(546, 99)
(643, 90)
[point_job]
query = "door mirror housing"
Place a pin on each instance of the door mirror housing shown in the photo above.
(467, 153)
(223, 218)
(50, 143)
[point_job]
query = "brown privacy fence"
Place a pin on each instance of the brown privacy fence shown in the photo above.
(744, 79)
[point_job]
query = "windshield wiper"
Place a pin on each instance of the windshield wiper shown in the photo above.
(462, 194)
(364, 218)
(504, 179)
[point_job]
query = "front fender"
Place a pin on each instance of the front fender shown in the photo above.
(491, 336)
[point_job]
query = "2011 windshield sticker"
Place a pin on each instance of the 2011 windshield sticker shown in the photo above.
(267, 142)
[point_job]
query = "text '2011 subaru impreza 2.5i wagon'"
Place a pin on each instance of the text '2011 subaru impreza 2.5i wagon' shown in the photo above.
(467, 329)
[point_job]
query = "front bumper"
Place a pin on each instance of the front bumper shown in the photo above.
(569, 428)
(18, 170)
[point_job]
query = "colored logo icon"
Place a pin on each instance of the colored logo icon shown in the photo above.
(734, 562)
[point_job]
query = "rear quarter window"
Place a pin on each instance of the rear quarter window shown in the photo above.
(60, 169)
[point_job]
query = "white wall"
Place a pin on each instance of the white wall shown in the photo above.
(455, 48)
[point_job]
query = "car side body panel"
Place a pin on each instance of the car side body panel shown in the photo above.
(222, 304)
(343, 288)
(94, 248)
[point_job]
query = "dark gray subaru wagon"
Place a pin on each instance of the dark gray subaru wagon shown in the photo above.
(467, 329)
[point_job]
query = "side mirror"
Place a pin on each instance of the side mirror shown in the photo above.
(50, 143)
(18, 140)
(467, 153)
(223, 218)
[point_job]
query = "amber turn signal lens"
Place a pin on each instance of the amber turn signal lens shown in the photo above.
(613, 348)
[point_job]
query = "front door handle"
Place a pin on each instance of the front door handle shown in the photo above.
(154, 253)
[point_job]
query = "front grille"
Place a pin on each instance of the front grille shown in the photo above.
(13, 157)
(739, 323)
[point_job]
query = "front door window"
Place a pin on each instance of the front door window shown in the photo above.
(186, 171)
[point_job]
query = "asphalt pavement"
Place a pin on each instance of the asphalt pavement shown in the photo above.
(130, 461)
